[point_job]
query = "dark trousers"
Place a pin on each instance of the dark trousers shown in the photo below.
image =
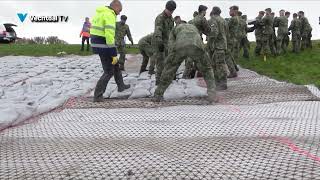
(82, 43)
(109, 70)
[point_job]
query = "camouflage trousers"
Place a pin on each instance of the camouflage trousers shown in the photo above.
(258, 47)
(306, 40)
(160, 62)
(230, 63)
(173, 62)
(234, 45)
(296, 42)
(122, 51)
(281, 43)
(219, 67)
(268, 44)
(245, 45)
(189, 71)
(287, 40)
(148, 56)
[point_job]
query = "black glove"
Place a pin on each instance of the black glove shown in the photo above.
(161, 48)
(289, 33)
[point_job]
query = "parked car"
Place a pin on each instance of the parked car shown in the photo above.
(7, 33)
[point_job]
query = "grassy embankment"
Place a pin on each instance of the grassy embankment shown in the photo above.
(303, 68)
(45, 50)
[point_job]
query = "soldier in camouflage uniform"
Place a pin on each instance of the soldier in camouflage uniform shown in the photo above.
(259, 33)
(163, 25)
(243, 39)
(273, 45)
(267, 22)
(185, 41)
(177, 20)
(282, 24)
(190, 69)
(287, 38)
(232, 40)
(147, 52)
(122, 30)
(217, 45)
(234, 31)
(202, 25)
(295, 28)
(201, 22)
(305, 31)
(195, 14)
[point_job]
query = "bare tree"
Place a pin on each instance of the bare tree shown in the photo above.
(54, 40)
(39, 40)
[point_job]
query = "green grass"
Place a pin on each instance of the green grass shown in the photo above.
(302, 68)
(47, 50)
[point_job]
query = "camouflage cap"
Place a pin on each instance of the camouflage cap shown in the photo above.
(287, 13)
(295, 15)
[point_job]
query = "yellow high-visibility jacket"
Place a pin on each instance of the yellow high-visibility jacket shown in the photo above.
(103, 31)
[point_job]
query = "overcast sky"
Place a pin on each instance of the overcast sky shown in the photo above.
(141, 14)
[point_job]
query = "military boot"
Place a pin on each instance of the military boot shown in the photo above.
(221, 86)
(212, 96)
(157, 99)
(98, 99)
(119, 79)
(233, 75)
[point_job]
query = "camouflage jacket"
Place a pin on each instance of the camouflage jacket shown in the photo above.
(146, 40)
(267, 22)
(233, 26)
(218, 35)
(163, 25)
(305, 26)
(242, 28)
(122, 30)
(201, 24)
(184, 36)
(259, 27)
(282, 24)
(295, 27)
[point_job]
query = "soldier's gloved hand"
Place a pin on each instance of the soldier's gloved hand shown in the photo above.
(289, 33)
(161, 48)
(114, 60)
